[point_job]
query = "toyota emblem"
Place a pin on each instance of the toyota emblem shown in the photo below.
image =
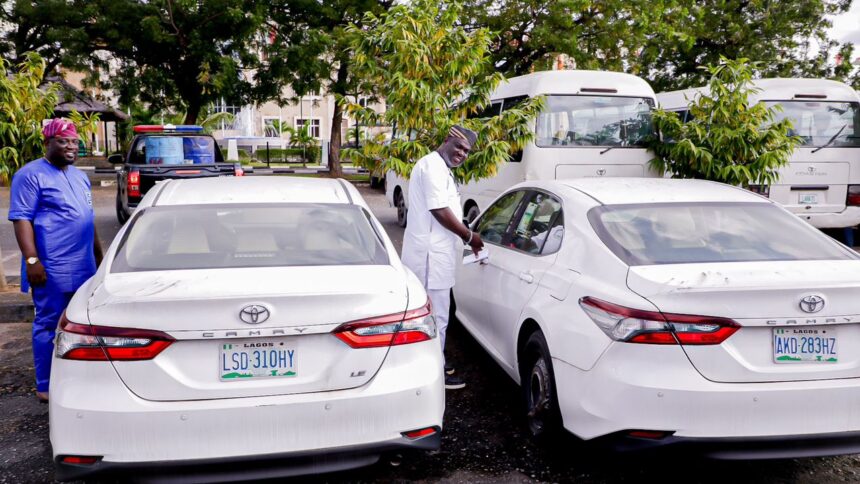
(254, 314)
(811, 304)
(601, 172)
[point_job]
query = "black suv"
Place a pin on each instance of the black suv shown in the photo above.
(162, 152)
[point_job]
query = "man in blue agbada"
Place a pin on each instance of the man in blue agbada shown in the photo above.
(51, 208)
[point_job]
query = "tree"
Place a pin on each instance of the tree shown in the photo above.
(86, 124)
(726, 139)
(309, 52)
(301, 137)
(594, 35)
(432, 74)
(51, 28)
(787, 39)
(24, 106)
(181, 54)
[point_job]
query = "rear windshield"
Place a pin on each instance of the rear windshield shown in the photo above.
(221, 236)
(174, 150)
(676, 233)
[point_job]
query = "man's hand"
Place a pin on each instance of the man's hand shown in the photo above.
(36, 274)
(476, 243)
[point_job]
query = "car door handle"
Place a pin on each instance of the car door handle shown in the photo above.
(527, 276)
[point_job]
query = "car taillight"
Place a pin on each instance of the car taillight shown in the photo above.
(637, 326)
(133, 184)
(238, 171)
(102, 343)
(853, 196)
(391, 330)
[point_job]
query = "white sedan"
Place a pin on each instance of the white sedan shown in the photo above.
(651, 312)
(260, 319)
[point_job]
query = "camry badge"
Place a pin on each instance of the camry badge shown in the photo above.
(254, 314)
(811, 304)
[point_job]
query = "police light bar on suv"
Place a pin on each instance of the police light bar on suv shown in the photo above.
(168, 128)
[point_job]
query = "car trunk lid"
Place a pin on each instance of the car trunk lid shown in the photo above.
(764, 298)
(283, 314)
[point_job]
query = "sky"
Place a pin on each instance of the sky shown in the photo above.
(846, 27)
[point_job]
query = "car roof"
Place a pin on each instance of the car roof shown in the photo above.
(573, 82)
(620, 191)
(774, 89)
(256, 189)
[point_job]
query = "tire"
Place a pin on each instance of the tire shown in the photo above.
(121, 215)
(472, 214)
(400, 204)
(537, 381)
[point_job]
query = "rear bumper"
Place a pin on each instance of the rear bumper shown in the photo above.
(249, 467)
(850, 217)
(778, 447)
(649, 387)
(93, 414)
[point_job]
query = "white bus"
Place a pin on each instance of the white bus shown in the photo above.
(594, 125)
(821, 184)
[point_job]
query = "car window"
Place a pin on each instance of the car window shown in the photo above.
(174, 150)
(678, 233)
(540, 227)
(220, 236)
(495, 222)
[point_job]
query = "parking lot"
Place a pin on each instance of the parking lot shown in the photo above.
(484, 438)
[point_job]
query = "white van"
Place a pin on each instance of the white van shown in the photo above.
(821, 183)
(594, 125)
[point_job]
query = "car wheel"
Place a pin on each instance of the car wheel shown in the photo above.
(121, 216)
(538, 385)
(472, 214)
(400, 203)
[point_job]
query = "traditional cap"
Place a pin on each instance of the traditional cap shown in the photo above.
(463, 133)
(60, 128)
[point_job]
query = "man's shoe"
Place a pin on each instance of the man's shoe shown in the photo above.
(454, 382)
(42, 396)
(449, 369)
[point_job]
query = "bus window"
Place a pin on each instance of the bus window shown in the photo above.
(575, 120)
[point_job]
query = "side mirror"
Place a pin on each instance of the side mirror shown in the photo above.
(116, 159)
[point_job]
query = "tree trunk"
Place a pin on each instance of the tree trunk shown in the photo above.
(338, 87)
(334, 168)
(192, 113)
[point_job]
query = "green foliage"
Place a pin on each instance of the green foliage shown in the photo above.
(301, 138)
(432, 73)
(788, 38)
(23, 108)
(178, 54)
(86, 124)
(726, 138)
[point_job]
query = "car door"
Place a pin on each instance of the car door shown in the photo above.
(519, 266)
(472, 292)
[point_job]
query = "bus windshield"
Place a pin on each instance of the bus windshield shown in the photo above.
(816, 122)
(574, 120)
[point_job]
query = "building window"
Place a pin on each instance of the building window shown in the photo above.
(314, 125)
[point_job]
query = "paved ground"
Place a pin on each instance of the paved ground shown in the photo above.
(484, 438)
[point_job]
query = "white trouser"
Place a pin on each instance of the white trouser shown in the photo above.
(440, 299)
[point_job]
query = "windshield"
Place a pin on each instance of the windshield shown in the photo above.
(816, 122)
(594, 121)
(679, 233)
(220, 236)
(174, 150)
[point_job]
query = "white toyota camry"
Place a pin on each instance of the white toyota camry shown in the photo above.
(646, 313)
(261, 319)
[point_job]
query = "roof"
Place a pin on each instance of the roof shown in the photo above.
(773, 90)
(70, 98)
(617, 191)
(256, 189)
(573, 82)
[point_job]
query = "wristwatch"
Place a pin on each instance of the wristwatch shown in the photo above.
(32, 260)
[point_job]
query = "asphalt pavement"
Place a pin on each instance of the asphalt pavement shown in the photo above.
(484, 439)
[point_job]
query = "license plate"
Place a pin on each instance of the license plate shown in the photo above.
(807, 199)
(800, 345)
(257, 359)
